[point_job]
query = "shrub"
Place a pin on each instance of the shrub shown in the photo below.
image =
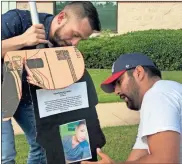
(163, 46)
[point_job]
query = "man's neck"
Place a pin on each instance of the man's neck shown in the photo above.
(149, 84)
(152, 81)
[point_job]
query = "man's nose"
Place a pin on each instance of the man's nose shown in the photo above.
(75, 41)
(117, 90)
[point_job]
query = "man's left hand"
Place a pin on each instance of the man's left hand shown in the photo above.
(104, 159)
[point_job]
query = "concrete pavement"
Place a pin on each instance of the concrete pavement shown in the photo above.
(110, 114)
(115, 114)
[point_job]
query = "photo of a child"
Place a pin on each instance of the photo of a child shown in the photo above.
(75, 141)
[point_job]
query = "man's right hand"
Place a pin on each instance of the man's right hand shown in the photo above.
(34, 35)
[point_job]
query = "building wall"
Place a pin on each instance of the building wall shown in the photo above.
(135, 16)
(6, 6)
(132, 16)
(45, 7)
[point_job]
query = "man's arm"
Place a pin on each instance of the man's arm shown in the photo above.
(33, 36)
(137, 154)
(164, 148)
(13, 35)
(12, 44)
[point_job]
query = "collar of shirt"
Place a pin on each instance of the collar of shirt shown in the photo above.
(48, 25)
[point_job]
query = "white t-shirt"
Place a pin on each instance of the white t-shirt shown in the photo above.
(161, 110)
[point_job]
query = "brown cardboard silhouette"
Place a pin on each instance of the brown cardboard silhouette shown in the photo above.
(49, 68)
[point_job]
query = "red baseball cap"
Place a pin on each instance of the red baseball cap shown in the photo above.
(121, 65)
(107, 85)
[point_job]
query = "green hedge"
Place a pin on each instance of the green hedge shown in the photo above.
(163, 46)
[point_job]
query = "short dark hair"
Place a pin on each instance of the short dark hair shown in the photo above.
(151, 71)
(81, 123)
(85, 9)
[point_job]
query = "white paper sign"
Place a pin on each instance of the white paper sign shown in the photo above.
(57, 101)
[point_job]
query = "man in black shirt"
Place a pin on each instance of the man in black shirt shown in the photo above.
(77, 21)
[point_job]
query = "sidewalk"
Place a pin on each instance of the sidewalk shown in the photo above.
(110, 114)
(116, 114)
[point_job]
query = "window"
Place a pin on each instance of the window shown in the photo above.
(6, 6)
(107, 13)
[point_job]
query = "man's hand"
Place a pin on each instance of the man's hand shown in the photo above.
(34, 35)
(104, 159)
(29, 73)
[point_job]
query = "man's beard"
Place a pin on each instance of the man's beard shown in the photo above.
(132, 100)
(131, 103)
(57, 40)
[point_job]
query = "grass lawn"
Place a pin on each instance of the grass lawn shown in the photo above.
(99, 75)
(119, 143)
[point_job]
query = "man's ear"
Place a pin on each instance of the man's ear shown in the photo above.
(61, 17)
(139, 73)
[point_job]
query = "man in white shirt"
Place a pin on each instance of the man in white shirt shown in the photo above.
(137, 80)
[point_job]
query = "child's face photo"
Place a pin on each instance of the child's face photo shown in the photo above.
(81, 132)
(75, 140)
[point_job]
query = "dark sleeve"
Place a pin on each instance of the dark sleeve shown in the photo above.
(11, 25)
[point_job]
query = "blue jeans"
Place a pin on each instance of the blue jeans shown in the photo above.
(24, 116)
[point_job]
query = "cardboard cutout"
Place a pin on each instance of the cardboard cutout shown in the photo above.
(49, 68)
(48, 128)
